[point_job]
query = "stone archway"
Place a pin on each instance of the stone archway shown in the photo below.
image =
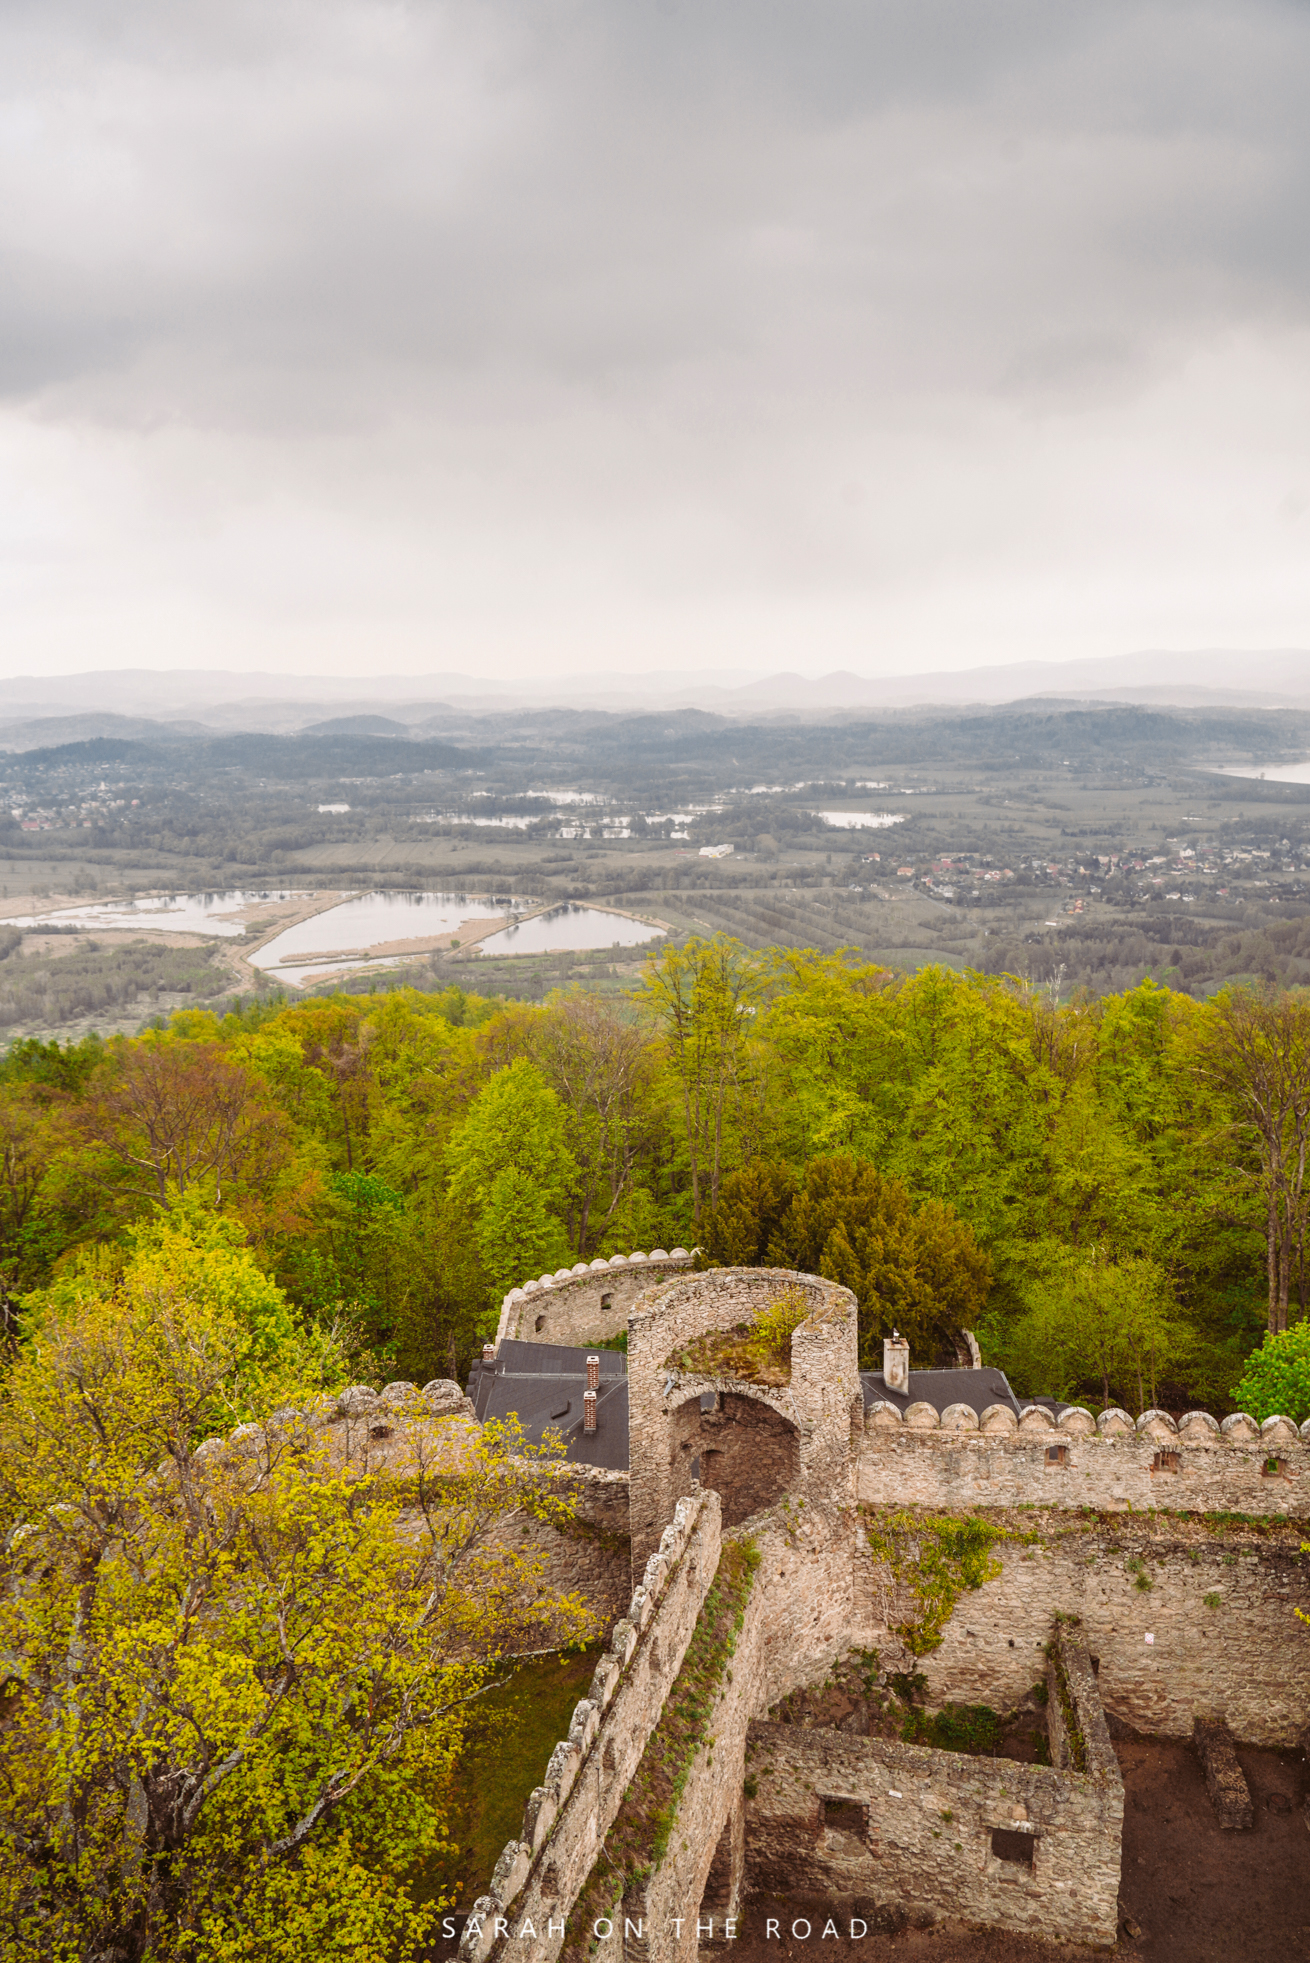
(740, 1446)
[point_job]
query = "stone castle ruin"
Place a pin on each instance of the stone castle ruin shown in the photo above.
(927, 1524)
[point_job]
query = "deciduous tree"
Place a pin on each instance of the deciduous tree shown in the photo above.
(234, 1672)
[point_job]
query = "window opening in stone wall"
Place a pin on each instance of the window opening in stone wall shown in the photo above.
(606, 1302)
(1273, 1468)
(1057, 1455)
(1008, 1845)
(1166, 1461)
(717, 1898)
(844, 1816)
(539, 1324)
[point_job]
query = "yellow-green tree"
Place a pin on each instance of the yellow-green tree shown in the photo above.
(234, 1670)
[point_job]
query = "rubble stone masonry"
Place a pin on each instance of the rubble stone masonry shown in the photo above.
(1140, 1592)
(588, 1303)
(819, 1405)
(960, 1461)
(834, 1818)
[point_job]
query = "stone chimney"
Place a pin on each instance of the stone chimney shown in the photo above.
(593, 1373)
(589, 1410)
(896, 1362)
(488, 1355)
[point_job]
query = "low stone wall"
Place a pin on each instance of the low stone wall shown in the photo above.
(831, 1817)
(1140, 1591)
(588, 1303)
(960, 1461)
(539, 1877)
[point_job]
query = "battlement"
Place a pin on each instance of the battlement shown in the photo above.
(588, 1772)
(1199, 1463)
(588, 1303)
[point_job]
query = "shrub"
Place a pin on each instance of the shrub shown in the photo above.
(1276, 1380)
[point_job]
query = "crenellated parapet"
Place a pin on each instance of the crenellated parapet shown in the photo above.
(960, 1457)
(589, 1302)
(539, 1876)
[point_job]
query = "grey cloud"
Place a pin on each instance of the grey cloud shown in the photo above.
(649, 281)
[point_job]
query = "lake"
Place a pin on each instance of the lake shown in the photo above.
(860, 820)
(166, 913)
(569, 928)
(1273, 773)
(351, 930)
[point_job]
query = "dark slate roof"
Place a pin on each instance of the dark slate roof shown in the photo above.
(940, 1388)
(542, 1384)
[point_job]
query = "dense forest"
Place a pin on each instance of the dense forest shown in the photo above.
(240, 1666)
(1110, 1192)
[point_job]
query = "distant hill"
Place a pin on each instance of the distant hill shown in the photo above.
(52, 732)
(356, 726)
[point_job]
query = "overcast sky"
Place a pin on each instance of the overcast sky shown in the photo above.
(513, 335)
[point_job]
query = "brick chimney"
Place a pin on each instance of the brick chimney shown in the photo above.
(593, 1373)
(589, 1410)
(488, 1355)
(896, 1362)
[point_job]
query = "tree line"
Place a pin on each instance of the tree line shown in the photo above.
(1111, 1193)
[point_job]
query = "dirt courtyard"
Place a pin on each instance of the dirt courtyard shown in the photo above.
(1196, 1894)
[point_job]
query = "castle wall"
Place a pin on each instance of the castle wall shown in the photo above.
(820, 1403)
(744, 1449)
(538, 1878)
(830, 1817)
(592, 1555)
(589, 1303)
(1162, 1652)
(1081, 1461)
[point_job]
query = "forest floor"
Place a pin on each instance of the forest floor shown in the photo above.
(1190, 1892)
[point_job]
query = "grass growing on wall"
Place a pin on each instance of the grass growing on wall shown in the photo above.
(972, 1728)
(639, 1838)
(936, 1556)
(755, 1352)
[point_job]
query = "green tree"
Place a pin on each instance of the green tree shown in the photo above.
(236, 1671)
(1098, 1322)
(511, 1176)
(704, 997)
(603, 1069)
(753, 1202)
(1256, 1048)
(917, 1268)
(1276, 1380)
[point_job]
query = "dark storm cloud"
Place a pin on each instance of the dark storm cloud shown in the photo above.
(670, 305)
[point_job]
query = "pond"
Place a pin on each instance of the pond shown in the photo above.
(1273, 773)
(861, 820)
(569, 928)
(162, 913)
(357, 928)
